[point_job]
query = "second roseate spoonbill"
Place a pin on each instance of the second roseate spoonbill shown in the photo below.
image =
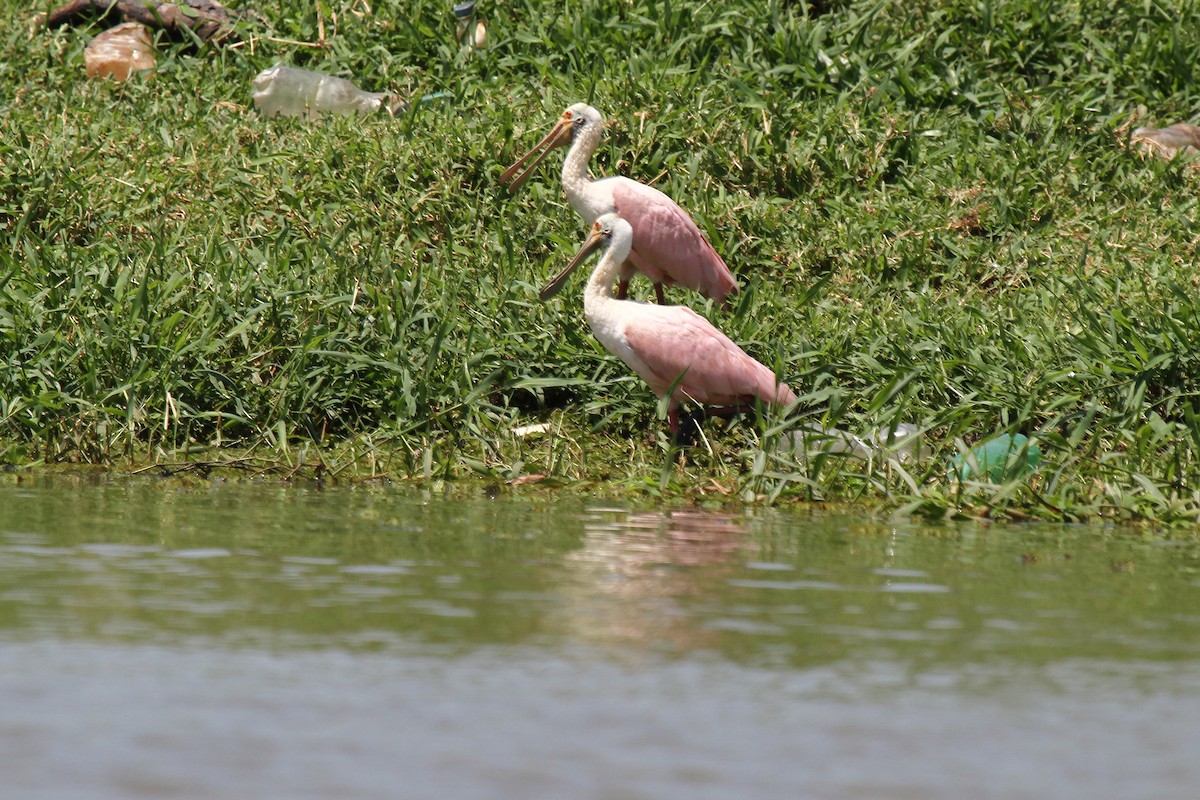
(672, 348)
(668, 247)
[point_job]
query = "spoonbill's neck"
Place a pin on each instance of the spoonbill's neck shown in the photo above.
(598, 300)
(582, 193)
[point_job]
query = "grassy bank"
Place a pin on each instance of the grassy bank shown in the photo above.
(931, 207)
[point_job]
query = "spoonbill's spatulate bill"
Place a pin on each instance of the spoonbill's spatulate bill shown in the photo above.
(668, 247)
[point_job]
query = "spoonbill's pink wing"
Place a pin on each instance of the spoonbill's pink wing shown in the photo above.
(668, 247)
(715, 370)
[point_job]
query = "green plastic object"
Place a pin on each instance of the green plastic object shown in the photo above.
(997, 459)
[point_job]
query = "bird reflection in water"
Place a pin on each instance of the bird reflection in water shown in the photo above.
(642, 578)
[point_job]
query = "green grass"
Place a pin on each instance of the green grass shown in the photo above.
(931, 208)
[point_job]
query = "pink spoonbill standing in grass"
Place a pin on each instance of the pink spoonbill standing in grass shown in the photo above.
(674, 349)
(668, 247)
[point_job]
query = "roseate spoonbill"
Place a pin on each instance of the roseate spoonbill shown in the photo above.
(668, 247)
(672, 348)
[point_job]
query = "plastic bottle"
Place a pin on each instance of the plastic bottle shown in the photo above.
(1180, 137)
(901, 442)
(472, 30)
(295, 92)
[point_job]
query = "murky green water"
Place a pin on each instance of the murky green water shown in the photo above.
(244, 640)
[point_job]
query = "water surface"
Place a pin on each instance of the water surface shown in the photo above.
(252, 640)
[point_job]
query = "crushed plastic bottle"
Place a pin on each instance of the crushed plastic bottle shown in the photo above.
(294, 92)
(1178, 138)
(901, 442)
(119, 52)
(999, 458)
(813, 437)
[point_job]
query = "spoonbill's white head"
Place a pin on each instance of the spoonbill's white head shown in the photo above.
(580, 121)
(612, 234)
